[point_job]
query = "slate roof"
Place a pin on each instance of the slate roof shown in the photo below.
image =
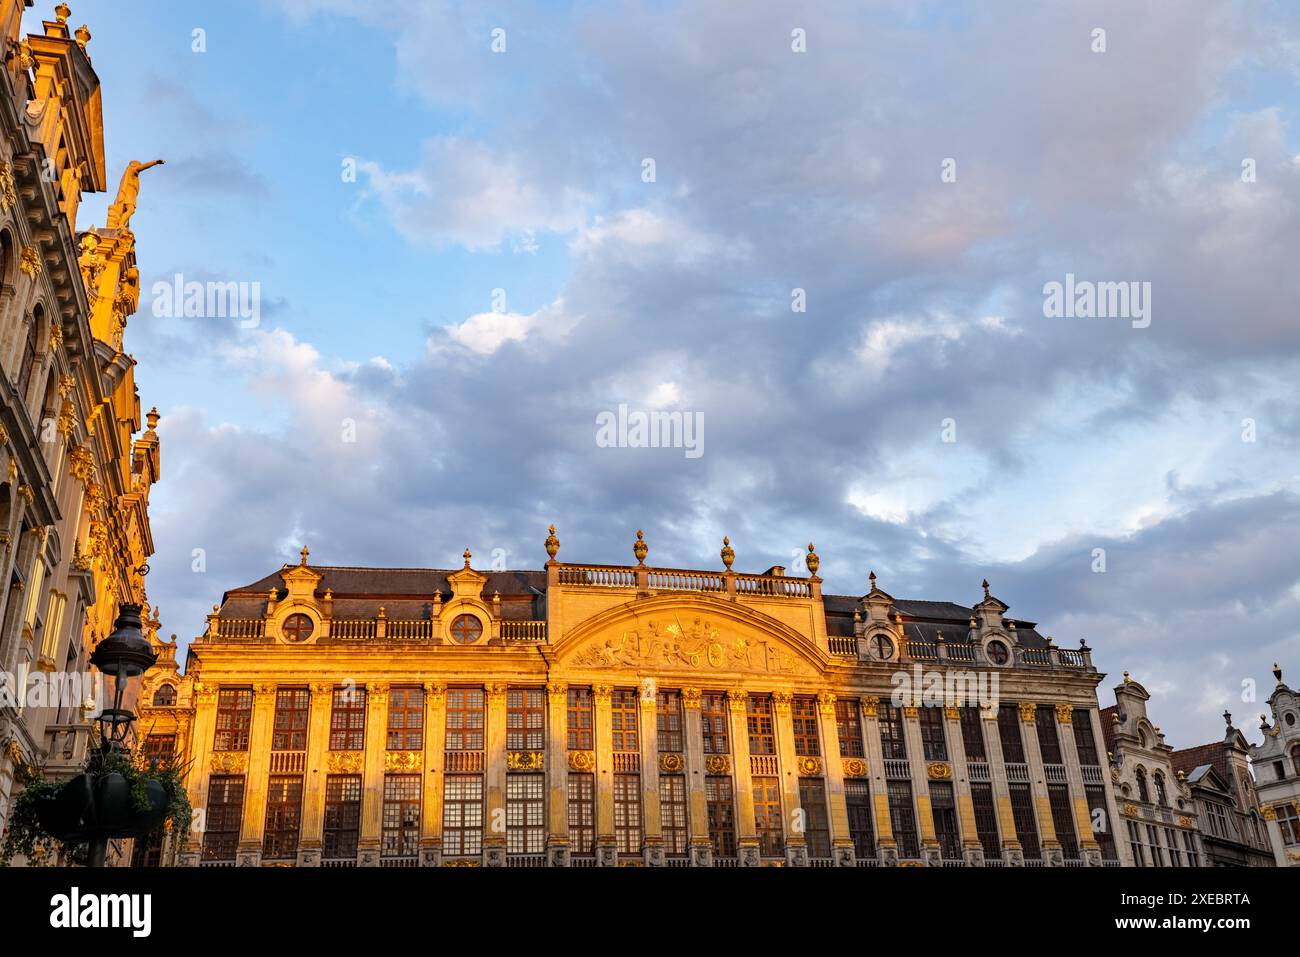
(407, 593)
(1214, 754)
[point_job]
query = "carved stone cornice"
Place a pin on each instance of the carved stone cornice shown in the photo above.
(870, 703)
(911, 711)
(557, 689)
(691, 698)
(1065, 713)
(952, 712)
(826, 704)
(602, 693)
(738, 699)
(434, 691)
(1028, 711)
(781, 701)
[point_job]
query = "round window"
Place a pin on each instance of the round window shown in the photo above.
(297, 628)
(1290, 720)
(883, 647)
(998, 653)
(466, 630)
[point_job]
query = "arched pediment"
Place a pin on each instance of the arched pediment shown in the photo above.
(694, 634)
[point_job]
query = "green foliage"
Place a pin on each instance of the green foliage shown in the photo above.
(25, 837)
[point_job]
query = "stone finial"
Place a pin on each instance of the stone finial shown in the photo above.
(1127, 679)
(467, 556)
(62, 12)
(728, 553)
(985, 585)
(1083, 644)
(639, 548)
(83, 36)
(1227, 718)
(1051, 642)
(812, 561)
(552, 544)
(871, 577)
(857, 614)
(304, 553)
(152, 418)
(1277, 673)
(938, 636)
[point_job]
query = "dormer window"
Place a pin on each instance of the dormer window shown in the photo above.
(466, 630)
(1161, 797)
(297, 628)
(164, 697)
(1143, 794)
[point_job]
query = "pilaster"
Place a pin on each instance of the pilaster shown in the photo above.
(796, 842)
(313, 797)
(255, 782)
(648, 737)
(1038, 785)
(435, 733)
(746, 831)
(372, 792)
(697, 811)
(606, 849)
(494, 841)
(557, 775)
(833, 768)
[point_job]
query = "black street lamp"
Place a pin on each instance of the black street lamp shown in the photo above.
(96, 805)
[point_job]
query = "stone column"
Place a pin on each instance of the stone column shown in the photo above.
(557, 775)
(1269, 813)
(255, 780)
(885, 843)
(435, 734)
(372, 784)
(313, 793)
(205, 721)
(930, 852)
(1038, 785)
(606, 849)
(652, 848)
(796, 842)
(833, 770)
(972, 850)
(1011, 849)
(494, 842)
(697, 810)
(746, 833)
(1089, 849)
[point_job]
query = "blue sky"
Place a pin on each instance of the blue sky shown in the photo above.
(521, 171)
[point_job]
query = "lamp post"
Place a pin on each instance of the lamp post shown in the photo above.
(123, 655)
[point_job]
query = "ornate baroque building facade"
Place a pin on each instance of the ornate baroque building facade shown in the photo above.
(1277, 772)
(74, 483)
(597, 715)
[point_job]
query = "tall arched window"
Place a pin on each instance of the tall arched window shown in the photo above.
(164, 697)
(1143, 793)
(1162, 798)
(1295, 759)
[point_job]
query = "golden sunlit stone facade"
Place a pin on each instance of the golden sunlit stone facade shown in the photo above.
(600, 715)
(74, 483)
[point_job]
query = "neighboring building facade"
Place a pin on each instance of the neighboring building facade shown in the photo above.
(1233, 830)
(1156, 823)
(598, 715)
(74, 485)
(1277, 772)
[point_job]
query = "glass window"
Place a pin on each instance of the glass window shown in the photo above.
(1022, 813)
(803, 711)
(934, 744)
(713, 720)
(525, 719)
(462, 815)
(525, 813)
(1049, 742)
(767, 815)
(1100, 817)
(466, 629)
(164, 697)
(348, 720)
(580, 724)
(1013, 747)
(627, 811)
(283, 818)
(623, 705)
(342, 817)
(892, 742)
(848, 722)
(1084, 742)
(1058, 799)
(972, 734)
(401, 823)
(986, 820)
(582, 813)
(290, 724)
(224, 817)
(405, 719)
(159, 749)
(902, 818)
(234, 718)
(762, 735)
(722, 815)
(817, 831)
(857, 796)
(672, 813)
(465, 719)
(668, 721)
(943, 808)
